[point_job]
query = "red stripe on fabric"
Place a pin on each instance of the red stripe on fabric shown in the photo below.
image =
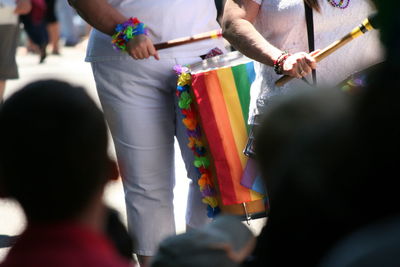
(216, 126)
(211, 130)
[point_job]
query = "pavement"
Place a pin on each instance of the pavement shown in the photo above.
(70, 67)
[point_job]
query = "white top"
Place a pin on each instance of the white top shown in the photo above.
(283, 24)
(166, 20)
(7, 15)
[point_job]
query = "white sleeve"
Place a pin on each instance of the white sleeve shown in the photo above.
(258, 1)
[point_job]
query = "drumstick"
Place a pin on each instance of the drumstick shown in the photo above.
(368, 24)
(187, 40)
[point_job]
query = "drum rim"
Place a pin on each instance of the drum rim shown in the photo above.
(220, 61)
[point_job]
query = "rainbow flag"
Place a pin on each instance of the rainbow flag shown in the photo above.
(222, 97)
(252, 178)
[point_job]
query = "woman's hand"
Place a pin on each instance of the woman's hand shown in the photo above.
(23, 7)
(300, 64)
(141, 47)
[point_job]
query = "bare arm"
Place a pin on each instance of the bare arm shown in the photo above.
(102, 16)
(238, 29)
(98, 13)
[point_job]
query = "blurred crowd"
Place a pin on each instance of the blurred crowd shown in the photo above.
(39, 25)
(52, 23)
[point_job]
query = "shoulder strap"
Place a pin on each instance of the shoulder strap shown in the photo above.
(310, 34)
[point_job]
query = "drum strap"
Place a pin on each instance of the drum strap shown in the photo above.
(310, 34)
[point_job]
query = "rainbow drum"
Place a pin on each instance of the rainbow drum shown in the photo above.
(214, 98)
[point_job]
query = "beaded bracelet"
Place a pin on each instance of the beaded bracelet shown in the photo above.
(126, 31)
(278, 63)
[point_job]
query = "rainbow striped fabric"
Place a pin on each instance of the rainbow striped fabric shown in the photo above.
(222, 98)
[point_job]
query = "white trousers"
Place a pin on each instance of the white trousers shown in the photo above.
(139, 102)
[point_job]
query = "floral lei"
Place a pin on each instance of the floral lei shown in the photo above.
(193, 129)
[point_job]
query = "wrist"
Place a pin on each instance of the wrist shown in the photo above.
(126, 31)
(280, 61)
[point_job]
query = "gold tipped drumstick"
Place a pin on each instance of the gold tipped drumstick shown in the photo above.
(368, 24)
(187, 40)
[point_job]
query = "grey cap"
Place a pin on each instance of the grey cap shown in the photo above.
(223, 242)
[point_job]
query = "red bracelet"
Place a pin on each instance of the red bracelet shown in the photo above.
(278, 63)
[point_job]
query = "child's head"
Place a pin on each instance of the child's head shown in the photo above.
(53, 156)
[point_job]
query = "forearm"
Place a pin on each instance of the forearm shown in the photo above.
(244, 37)
(99, 14)
(238, 29)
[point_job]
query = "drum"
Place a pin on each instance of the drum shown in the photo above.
(359, 80)
(214, 97)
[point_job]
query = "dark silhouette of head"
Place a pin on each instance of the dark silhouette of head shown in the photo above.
(53, 156)
(300, 146)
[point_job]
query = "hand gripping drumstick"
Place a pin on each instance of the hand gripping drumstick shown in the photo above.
(187, 40)
(368, 24)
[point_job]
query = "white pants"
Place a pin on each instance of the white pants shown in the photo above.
(139, 102)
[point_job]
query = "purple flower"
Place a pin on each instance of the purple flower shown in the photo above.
(196, 133)
(208, 191)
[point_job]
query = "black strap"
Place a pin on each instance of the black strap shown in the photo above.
(310, 34)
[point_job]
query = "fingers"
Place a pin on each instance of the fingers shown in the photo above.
(153, 52)
(311, 62)
(306, 68)
(141, 47)
(139, 52)
(299, 68)
(299, 65)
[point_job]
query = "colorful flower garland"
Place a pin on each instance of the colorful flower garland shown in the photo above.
(201, 162)
(126, 31)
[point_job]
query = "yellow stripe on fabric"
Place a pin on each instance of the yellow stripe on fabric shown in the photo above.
(232, 102)
(254, 195)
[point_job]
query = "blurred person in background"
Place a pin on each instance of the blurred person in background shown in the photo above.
(69, 31)
(35, 27)
(9, 36)
(53, 28)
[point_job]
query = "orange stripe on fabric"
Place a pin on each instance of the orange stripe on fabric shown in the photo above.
(210, 128)
(232, 102)
(228, 141)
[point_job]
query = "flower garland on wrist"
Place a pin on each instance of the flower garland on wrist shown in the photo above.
(127, 31)
(278, 63)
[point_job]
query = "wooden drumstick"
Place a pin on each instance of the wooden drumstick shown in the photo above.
(187, 40)
(368, 24)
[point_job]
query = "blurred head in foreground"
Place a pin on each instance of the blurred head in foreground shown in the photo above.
(300, 146)
(53, 157)
(54, 162)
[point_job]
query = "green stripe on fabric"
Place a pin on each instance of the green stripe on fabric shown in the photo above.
(243, 88)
